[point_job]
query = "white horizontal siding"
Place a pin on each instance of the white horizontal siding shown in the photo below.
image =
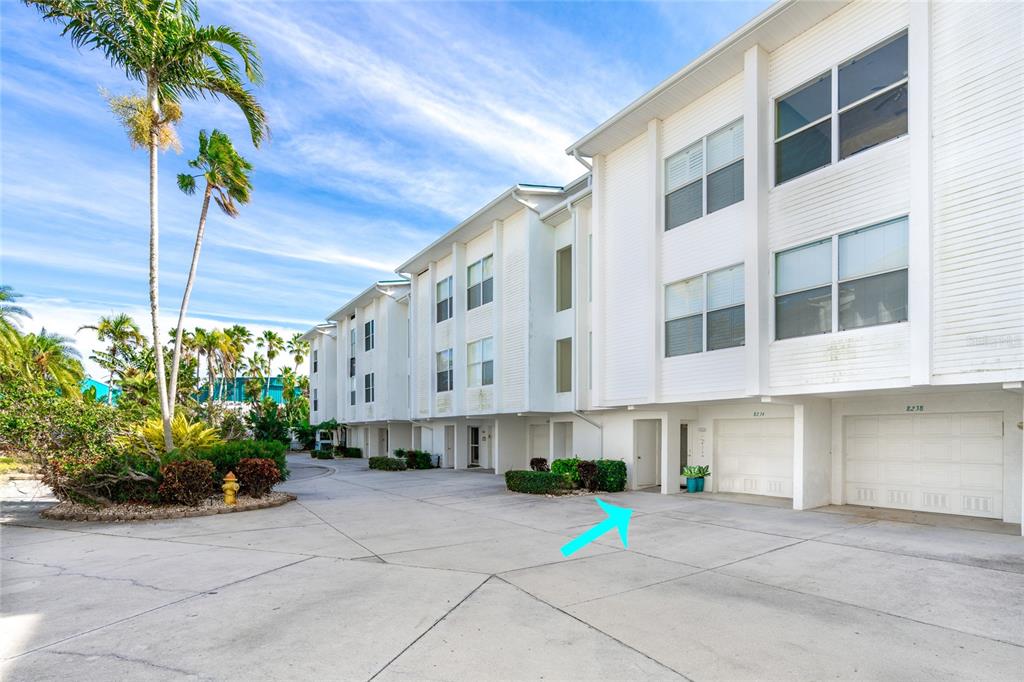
(628, 309)
(479, 400)
(844, 34)
(423, 312)
(480, 322)
(711, 242)
(717, 108)
(480, 246)
(712, 374)
(514, 311)
(862, 358)
(978, 191)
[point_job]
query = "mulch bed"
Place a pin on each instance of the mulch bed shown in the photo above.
(117, 513)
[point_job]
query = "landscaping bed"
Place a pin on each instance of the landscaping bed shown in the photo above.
(568, 477)
(117, 513)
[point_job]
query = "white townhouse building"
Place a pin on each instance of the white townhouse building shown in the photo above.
(799, 261)
(323, 372)
(809, 257)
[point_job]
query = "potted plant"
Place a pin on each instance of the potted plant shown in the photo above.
(695, 478)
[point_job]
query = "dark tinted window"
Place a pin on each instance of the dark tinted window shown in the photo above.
(684, 204)
(873, 122)
(684, 336)
(880, 299)
(803, 313)
(803, 152)
(873, 71)
(725, 186)
(809, 103)
(725, 328)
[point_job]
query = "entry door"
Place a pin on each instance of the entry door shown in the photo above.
(449, 446)
(647, 446)
(539, 441)
(474, 446)
(684, 447)
(382, 441)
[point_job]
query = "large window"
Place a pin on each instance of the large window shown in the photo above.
(714, 162)
(445, 371)
(368, 330)
(563, 279)
(705, 312)
(444, 299)
(868, 287)
(867, 107)
(368, 392)
(480, 362)
(480, 283)
(563, 365)
(316, 363)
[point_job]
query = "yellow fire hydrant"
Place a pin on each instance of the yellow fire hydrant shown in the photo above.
(230, 489)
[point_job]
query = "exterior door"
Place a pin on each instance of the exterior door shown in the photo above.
(539, 443)
(754, 456)
(449, 446)
(647, 449)
(943, 463)
(474, 446)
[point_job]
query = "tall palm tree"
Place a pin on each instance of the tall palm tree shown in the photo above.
(120, 331)
(240, 337)
(209, 344)
(10, 336)
(161, 44)
(298, 348)
(274, 345)
(227, 182)
(254, 385)
(51, 360)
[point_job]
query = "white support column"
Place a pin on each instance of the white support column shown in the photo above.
(597, 306)
(812, 453)
(656, 207)
(461, 444)
(498, 346)
(669, 454)
(458, 392)
(919, 286)
(431, 366)
(756, 153)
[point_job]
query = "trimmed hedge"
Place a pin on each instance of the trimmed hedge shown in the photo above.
(567, 466)
(352, 452)
(322, 454)
(387, 464)
(226, 456)
(611, 475)
(537, 482)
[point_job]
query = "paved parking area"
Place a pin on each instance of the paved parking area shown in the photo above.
(444, 575)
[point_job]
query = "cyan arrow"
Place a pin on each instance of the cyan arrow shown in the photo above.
(618, 517)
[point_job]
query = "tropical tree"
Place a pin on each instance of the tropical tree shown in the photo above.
(254, 385)
(240, 338)
(121, 332)
(51, 360)
(299, 349)
(274, 344)
(227, 182)
(10, 336)
(209, 344)
(161, 45)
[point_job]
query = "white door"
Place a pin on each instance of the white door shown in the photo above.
(539, 441)
(754, 456)
(647, 447)
(449, 446)
(944, 463)
(474, 446)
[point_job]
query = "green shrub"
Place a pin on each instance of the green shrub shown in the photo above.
(226, 456)
(322, 454)
(188, 482)
(353, 452)
(232, 426)
(305, 433)
(569, 467)
(587, 471)
(402, 453)
(267, 422)
(257, 476)
(537, 482)
(387, 464)
(611, 475)
(423, 459)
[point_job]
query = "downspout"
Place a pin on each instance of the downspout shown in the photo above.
(524, 202)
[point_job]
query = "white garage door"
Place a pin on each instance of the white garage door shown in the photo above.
(945, 463)
(754, 456)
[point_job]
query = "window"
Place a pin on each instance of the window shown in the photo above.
(316, 402)
(368, 335)
(705, 312)
(445, 371)
(715, 161)
(870, 287)
(726, 328)
(480, 362)
(368, 393)
(351, 367)
(480, 286)
(563, 365)
(870, 108)
(315, 363)
(563, 279)
(352, 390)
(352, 338)
(444, 299)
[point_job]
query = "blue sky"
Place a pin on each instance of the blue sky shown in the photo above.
(390, 124)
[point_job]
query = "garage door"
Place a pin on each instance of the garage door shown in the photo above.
(754, 456)
(945, 463)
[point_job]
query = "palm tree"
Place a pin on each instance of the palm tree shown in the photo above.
(298, 348)
(10, 337)
(227, 181)
(209, 344)
(160, 44)
(254, 385)
(51, 359)
(274, 345)
(240, 337)
(121, 331)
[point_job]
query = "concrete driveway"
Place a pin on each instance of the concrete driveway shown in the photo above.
(444, 575)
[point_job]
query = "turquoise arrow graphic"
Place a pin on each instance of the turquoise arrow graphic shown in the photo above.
(618, 517)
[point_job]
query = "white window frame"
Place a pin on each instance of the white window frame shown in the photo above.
(470, 382)
(316, 363)
(571, 278)
(369, 332)
(835, 281)
(703, 141)
(568, 340)
(450, 355)
(316, 401)
(369, 388)
(352, 390)
(450, 298)
(835, 111)
(705, 309)
(470, 284)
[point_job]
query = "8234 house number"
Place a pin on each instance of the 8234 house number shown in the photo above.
(915, 408)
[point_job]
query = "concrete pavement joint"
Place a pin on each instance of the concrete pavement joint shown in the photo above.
(339, 531)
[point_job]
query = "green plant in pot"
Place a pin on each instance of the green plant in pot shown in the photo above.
(695, 478)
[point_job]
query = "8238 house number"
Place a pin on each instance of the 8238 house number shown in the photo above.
(915, 408)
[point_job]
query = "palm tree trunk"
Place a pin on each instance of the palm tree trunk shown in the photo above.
(154, 267)
(176, 360)
(209, 398)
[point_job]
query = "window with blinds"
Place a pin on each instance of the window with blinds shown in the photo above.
(705, 313)
(705, 176)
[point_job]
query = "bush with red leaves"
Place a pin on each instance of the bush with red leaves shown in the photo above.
(187, 482)
(257, 476)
